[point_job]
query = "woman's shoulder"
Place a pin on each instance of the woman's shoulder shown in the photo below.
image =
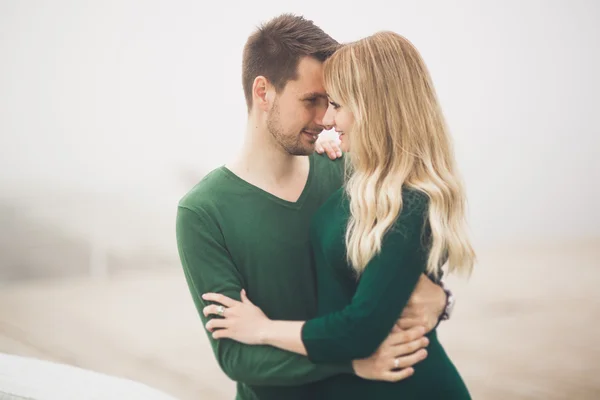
(414, 213)
(414, 200)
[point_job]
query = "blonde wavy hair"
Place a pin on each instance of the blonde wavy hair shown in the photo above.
(399, 139)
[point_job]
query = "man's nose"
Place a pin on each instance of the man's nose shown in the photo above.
(328, 121)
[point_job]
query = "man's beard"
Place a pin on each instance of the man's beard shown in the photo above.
(291, 144)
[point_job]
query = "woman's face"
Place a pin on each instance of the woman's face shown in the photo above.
(339, 116)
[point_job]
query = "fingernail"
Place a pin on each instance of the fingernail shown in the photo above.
(339, 153)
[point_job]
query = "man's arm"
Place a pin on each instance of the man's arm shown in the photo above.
(208, 267)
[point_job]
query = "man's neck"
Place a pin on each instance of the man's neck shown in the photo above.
(263, 163)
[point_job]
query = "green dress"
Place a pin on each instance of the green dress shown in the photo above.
(355, 314)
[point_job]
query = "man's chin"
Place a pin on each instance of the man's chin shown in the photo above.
(308, 150)
(302, 151)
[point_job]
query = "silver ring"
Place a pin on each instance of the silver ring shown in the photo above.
(220, 310)
(396, 363)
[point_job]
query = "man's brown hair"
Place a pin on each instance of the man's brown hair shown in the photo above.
(277, 46)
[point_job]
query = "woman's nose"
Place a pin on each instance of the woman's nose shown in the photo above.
(328, 119)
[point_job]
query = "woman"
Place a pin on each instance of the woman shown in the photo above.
(401, 213)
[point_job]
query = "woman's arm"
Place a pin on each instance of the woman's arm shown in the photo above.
(286, 335)
(382, 293)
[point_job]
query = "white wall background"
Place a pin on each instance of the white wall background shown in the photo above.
(124, 98)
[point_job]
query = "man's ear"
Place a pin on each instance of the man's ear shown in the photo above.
(263, 93)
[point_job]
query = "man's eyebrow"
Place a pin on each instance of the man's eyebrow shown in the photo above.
(314, 95)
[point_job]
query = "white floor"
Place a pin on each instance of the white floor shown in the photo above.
(526, 327)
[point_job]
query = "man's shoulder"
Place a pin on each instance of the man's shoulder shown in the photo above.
(326, 167)
(205, 194)
(322, 160)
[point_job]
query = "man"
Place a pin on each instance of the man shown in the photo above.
(246, 225)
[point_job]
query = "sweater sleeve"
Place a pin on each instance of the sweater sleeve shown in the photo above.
(208, 267)
(382, 293)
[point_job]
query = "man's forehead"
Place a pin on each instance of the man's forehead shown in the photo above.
(310, 78)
